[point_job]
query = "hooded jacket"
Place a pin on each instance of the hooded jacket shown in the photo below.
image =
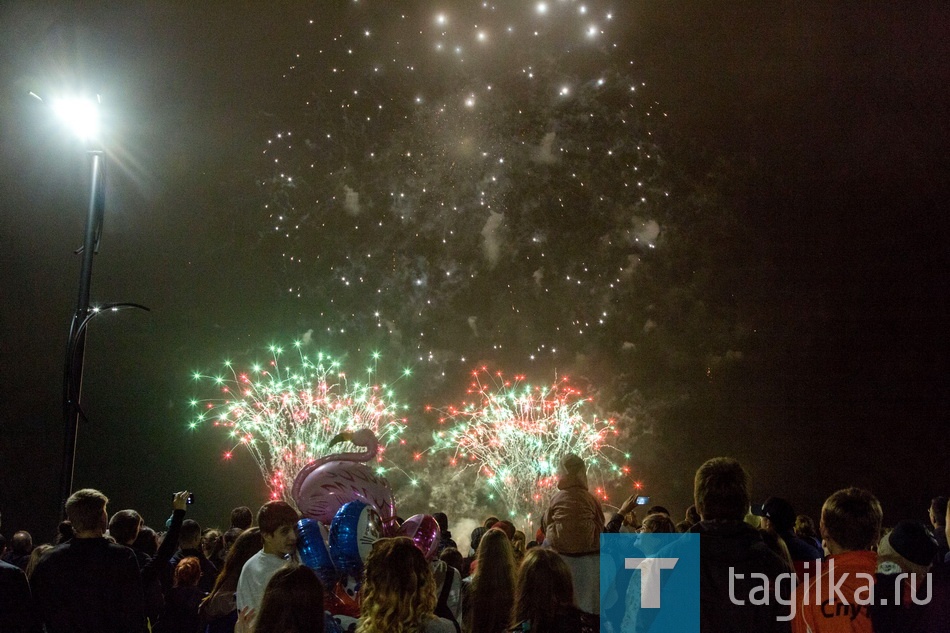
(574, 521)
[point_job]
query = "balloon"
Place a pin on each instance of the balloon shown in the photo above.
(352, 533)
(327, 484)
(391, 529)
(424, 531)
(314, 553)
(338, 602)
(350, 585)
(334, 484)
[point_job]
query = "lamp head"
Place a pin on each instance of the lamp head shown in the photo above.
(80, 115)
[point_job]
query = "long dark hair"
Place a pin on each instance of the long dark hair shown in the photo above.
(545, 589)
(493, 587)
(292, 602)
(246, 545)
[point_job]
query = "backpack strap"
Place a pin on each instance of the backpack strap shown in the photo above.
(442, 606)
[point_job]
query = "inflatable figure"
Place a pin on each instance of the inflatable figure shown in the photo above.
(314, 552)
(425, 533)
(327, 484)
(354, 530)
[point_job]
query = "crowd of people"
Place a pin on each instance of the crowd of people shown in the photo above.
(113, 574)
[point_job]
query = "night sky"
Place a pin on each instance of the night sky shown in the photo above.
(727, 221)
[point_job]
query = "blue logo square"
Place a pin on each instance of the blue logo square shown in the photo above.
(649, 583)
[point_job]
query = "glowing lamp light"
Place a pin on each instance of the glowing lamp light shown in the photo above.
(542, 7)
(80, 115)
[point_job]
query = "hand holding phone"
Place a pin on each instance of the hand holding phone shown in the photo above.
(181, 499)
(628, 506)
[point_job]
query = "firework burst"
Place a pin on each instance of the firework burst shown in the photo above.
(287, 415)
(513, 435)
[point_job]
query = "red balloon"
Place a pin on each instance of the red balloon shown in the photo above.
(338, 602)
(424, 531)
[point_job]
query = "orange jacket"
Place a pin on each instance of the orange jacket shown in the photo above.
(821, 609)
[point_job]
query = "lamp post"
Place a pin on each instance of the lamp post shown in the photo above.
(76, 343)
(81, 116)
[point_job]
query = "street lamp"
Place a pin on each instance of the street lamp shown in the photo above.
(81, 116)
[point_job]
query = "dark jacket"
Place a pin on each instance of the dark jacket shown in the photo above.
(181, 611)
(802, 551)
(940, 535)
(89, 586)
(937, 613)
(22, 560)
(613, 525)
(736, 546)
(566, 620)
(16, 606)
(209, 573)
(446, 541)
(158, 564)
(904, 615)
(153, 569)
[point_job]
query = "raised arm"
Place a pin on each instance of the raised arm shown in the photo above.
(170, 543)
(616, 520)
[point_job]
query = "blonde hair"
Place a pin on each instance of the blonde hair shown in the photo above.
(519, 545)
(35, 557)
(399, 589)
(84, 508)
(852, 518)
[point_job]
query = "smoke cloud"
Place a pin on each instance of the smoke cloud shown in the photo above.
(352, 201)
(492, 233)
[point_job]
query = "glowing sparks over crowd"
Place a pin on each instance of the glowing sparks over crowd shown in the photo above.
(465, 180)
(286, 416)
(425, 155)
(513, 435)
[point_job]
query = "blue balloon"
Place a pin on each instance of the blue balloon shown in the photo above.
(353, 531)
(313, 552)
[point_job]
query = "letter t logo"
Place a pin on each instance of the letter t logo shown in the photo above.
(649, 578)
